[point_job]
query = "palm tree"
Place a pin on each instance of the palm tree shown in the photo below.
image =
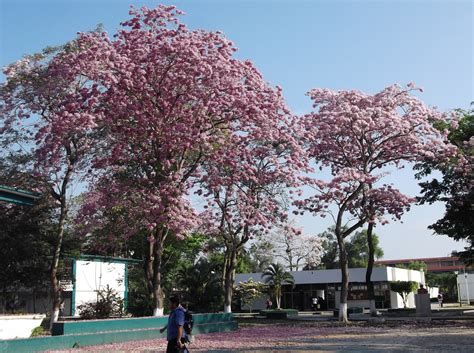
(276, 275)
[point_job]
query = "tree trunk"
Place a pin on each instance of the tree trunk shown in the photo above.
(229, 274)
(153, 270)
(149, 265)
(225, 265)
(343, 261)
(345, 278)
(370, 266)
(158, 294)
(55, 287)
(62, 198)
(278, 298)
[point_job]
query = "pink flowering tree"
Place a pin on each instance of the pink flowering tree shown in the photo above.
(106, 219)
(41, 100)
(245, 184)
(360, 138)
(171, 98)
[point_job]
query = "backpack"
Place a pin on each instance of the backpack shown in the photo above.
(188, 322)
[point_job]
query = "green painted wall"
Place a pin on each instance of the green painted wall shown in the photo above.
(86, 333)
(87, 326)
(74, 327)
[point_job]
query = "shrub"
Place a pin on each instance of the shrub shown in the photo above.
(39, 331)
(248, 291)
(403, 288)
(108, 304)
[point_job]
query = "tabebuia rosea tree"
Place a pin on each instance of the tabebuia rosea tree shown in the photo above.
(171, 98)
(245, 183)
(360, 138)
(56, 111)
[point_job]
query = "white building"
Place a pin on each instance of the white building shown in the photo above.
(466, 287)
(92, 274)
(83, 277)
(326, 284)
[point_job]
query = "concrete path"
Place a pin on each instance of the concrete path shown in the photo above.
(322, 337)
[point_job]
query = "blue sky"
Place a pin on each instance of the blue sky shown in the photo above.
(299, 45)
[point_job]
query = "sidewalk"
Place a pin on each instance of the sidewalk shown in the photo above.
(449, 313)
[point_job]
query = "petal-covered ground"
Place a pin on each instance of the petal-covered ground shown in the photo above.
(312, 338)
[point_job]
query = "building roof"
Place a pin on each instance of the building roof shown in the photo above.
(433, 264)
(17, 196)
(423, 259)
(356, 275)
(107, 259)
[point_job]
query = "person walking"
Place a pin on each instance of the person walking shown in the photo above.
(176, 336)
(315, 301)
(440, 300)
(269, 304)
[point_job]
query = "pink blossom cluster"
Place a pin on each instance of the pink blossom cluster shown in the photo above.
(177, 109)
(54, 110)
(358, 137)
(159, 110)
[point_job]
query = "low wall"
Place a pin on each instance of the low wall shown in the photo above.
(87, 333)
(140, 323)
(18, 326)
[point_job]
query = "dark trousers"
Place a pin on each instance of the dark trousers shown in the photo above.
(173, 347)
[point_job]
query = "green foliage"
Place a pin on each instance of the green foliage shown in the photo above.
(276, 276)
(201, 286)
(455, 188)
(403, 288)
(446, 282)
(140, 302)
(196, 278)
(185, 270)
(39, 331)
(329, 258)
(417, 265)
(178, 257)
(413, 265)
(357, 249)
(244, 263)
(256, 258)
(108, 304)
(248, 291)
(27, 232)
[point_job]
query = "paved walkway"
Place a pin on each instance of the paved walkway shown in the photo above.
(319, 337)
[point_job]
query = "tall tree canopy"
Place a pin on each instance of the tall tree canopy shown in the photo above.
(172, 100)
(54, 112)
(456, 187)
(358, 137)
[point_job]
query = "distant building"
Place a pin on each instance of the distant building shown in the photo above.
(434, 264)
(326, 285)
